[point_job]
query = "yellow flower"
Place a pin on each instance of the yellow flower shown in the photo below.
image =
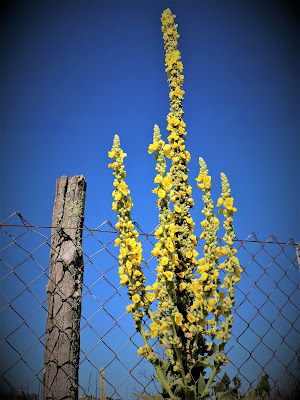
(173, 228)
(207, 181)
(161, 193)
(136, 298)
(196, 304)
(150, 296)
(129, 204)
(211, 302)
(158, 232)
(235, 260)
(182, 286)
(164, 261)
(216, 221)
(117, 242)
(228, 203)
(123, 188)
(154, 329)
(190, 318)
(123, 251)
(153, 147)
(155, 252)
(216, 273)
(167, 182)
(237, 271)
(202, 268)
(169, 275)
(203, 223)
(168, 151)
(170, 245)
(158, 179)
(111, 154)
(140, 351)
(178, 319)
(129, 308)
(177, 209)
(164, 326)
(203, 277)
(124, 280)
(189, 254)
(220, 335)
(220, 202)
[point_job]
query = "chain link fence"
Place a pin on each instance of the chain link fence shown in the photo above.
(264, 340)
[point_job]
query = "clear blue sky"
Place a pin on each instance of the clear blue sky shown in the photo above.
(74, 73)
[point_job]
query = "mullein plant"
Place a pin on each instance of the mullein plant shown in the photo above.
(189, 305)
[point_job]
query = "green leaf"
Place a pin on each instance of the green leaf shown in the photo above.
(152, 397)
(165, 365)
(202, 362)
(189, 394)
(177, 382)
(223, 395)
(169, 378)
(184, 392)
(201, 384)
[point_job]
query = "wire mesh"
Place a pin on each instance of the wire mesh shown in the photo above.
(264, 340)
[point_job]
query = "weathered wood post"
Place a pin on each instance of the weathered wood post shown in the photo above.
(64, 289)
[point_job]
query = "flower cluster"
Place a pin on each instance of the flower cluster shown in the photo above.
(130, 257)
(189, 305)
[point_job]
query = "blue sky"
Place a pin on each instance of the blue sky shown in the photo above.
(74, 73)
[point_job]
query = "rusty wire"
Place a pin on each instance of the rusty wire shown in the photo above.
(266, 300)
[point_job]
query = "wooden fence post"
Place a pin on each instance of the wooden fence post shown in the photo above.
(64, 289)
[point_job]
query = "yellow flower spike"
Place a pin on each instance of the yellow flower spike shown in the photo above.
(186, 289)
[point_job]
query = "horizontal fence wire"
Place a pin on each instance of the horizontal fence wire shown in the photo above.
(264, 339)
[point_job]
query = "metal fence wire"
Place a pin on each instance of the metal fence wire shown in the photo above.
(264, 340)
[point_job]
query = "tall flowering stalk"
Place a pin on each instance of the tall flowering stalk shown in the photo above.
(192, 314)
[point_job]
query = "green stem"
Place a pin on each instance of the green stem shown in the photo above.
(177, 351)
(178, 354)
(157, 367)
(209, 382)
